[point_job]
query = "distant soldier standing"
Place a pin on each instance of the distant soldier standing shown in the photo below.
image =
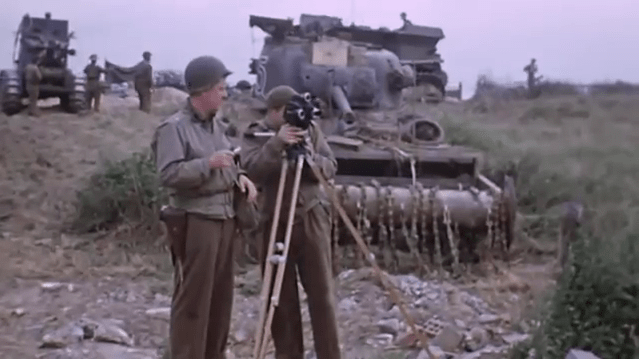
(93, 91)
(33, 76)
(531, 70)
(194, 160)
(143, 81)
(310, 251)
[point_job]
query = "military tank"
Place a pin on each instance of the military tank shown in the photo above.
(414, 45)
(399, 181)
(49, 40)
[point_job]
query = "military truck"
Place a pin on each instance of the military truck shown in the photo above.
(47, 39)
(398, 179)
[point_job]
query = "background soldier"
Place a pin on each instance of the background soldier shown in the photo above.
(93, 71)
(33, 76)
(142, 74)
(194, 161)
(310, 248)
(143, 81)
(531, 70)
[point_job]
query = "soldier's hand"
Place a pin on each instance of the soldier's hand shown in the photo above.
(221, 159)
(290, 134)
(248, 187)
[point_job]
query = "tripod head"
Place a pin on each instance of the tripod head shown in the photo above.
(299, 112)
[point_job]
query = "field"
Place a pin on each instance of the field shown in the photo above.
(564, 148)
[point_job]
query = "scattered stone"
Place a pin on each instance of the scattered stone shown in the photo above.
(347, 304)
(18, 312)
(389, 326)
(460, 324)
(580, 354)
(476, 339)
(489, 352)
(112, 334)
(437, 353)
(515, 338)
(51, 286)
(448, 339)
(380, 340)
(159, 313)
(489, 318)
(60, 338)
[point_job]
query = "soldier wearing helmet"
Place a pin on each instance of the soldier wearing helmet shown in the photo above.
(310, 250)
(195, 162)
(142, 74)
(93, 90)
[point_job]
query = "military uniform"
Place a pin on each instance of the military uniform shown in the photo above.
(33, 76)
(93, 90)
(204, 281)
(310, 250)
(531, 70)
(143, 81)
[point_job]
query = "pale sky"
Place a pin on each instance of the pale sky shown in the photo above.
(578, 40)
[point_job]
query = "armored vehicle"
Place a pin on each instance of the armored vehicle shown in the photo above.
(46, 40)
(398, 179)
(414, 45)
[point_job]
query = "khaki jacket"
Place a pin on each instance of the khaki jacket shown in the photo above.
(182, 145)
(261, 157)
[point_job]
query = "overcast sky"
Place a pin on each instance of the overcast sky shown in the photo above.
(579, 40)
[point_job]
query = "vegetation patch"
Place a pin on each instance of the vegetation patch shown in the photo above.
(126, 191)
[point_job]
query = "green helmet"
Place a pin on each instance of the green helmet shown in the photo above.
(203, 72)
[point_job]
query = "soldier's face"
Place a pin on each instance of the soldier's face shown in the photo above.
(217, 95)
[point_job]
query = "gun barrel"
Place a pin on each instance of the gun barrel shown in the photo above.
(340, 99)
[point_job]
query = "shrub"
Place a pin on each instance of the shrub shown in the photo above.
(595, 306)
(125, 191)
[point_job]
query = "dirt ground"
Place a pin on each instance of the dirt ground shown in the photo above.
(50, 280)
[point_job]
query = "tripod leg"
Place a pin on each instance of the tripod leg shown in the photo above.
(268, 266)
(281, 266)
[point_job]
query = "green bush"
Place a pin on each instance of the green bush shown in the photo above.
(126, 191)
(595, 306)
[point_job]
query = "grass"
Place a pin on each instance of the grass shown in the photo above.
(566, 148)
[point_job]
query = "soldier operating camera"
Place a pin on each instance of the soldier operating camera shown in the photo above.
(290, 115)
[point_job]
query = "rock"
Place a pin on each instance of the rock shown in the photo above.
(437, 353)
(60, 338)
(580, 354)
(448, 339)
(380, 340)
(106, 332)
(488, 318)
(490, 352)
(18, 312)
(476, 339)
(389, 326)
(460, 324)
(51, 286)
(347, 304)
(159, 313)
(515, 338)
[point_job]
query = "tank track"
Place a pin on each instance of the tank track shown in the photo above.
(75, 100)
(10, 92)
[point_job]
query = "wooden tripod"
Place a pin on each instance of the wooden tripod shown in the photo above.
(263, 332)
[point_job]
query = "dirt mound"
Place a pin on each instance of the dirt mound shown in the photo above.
(45, 159)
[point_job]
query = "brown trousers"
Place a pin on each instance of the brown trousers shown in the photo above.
(310, 254)
(34, 93)
(144, 93)
(93, 94)
(203, 292)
